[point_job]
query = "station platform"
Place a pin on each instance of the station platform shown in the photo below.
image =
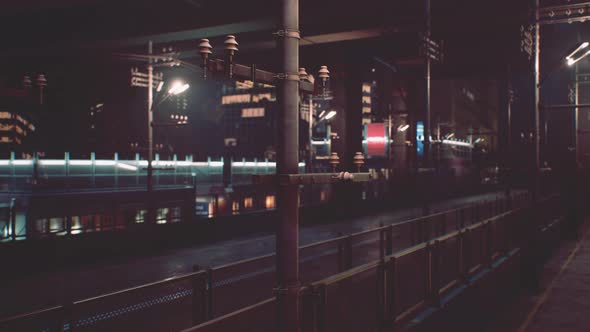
(561, 302)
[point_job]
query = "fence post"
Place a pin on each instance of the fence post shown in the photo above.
(460, 267)
(12, 215)
(381, 294)
(381, 241)
(391, 290)
(199, 282)
(466, 254)
(488, 234)
(425, 230)
(348, 256)
(389, 240)
(434, 272)
(66, 318)
(209, 296)
(321, 308)
(341, 252)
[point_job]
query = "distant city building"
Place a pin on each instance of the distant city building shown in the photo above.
(19, 112)
(249, 119)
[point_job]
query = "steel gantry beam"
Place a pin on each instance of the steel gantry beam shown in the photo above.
(566, 13)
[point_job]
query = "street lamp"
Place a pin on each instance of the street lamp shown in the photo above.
(176, 87)
(570, 58)
(330, 115)
(403, 128)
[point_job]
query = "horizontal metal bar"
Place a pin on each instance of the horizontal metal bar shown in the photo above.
(229, 316)
(565, 106)
(349, 273)
(309, 178)
(31, 314)
(542, 10)
(262, 76)
(153, 284)
(564, 20)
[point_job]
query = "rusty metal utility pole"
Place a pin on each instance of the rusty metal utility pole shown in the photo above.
(536, 94)
(427, 123)
(287, 241)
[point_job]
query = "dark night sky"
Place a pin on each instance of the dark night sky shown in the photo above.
(60, 38)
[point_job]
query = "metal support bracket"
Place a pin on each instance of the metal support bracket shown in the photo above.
(287, 76)
(296, 289)
(287, 33)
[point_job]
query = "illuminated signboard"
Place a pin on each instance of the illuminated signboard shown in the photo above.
(420, 138)
(375, 139)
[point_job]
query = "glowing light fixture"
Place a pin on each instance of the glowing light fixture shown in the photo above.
(570, 58)
(178, 87)
(330, 115)
(403, 128)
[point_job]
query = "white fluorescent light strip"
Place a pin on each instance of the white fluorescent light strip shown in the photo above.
(52, 162)
(456, 143)
(104, 162)
(80, 162)
(22, 162)
(582, 46)
(4, 162)
(572, 62)
(126, 167)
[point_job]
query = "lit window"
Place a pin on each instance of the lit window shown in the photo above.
(253, 112)
(162, 216)
(366, 110)
(248, 202)
(270, 202)
(366, 121)
(367, 100)
(323, 196)
(5, 115)
(366, 88)
(140, 216)
(259, 97)
(235, 206)
(235, 99)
